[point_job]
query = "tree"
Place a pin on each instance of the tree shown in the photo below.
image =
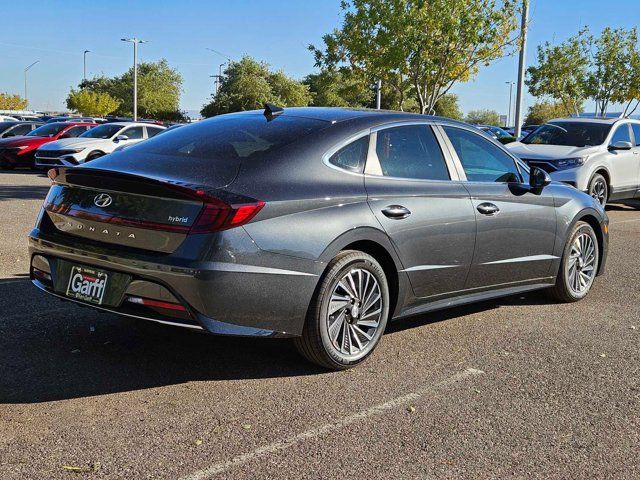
(561, 72)
(542, 112)
(247, 84)
(339, 88)
(91, 103)
(420, 47)
(159, 88)
(447, 106)
(614, 65)
(10, 101)
(483, 117)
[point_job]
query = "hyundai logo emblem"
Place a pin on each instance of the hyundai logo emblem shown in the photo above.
(102, 200)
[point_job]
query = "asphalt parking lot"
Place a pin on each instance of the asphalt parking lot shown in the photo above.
(519, 387)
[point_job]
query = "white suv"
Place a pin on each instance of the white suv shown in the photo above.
(600, 156)
(94, 143)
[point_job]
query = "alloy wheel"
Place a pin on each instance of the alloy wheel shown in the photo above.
(599, 191)
(582, 263)
(354, 313)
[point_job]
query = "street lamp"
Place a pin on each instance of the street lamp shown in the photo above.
(85, 65)
(511, 84)
(135, 42)
(218, 78)
(26, 98)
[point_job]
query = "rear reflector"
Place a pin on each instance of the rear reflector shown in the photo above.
(156, 303)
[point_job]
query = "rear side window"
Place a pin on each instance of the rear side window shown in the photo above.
(410, 151)
(621, 134)
(21, 130)
(481, 160)
(352, 156)
(153, 131)
(636, 132)
(232, 136)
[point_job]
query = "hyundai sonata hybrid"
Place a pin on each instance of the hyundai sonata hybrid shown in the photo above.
(320, 224)
(600, 156)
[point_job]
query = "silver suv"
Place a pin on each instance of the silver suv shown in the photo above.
(600, 156)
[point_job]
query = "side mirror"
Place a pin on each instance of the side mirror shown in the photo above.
(538, 178)
(621, 145)
(121, 138)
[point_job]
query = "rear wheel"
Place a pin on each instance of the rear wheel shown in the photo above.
(599, 189)
(579, 264)
(348, 314)
(93, 156)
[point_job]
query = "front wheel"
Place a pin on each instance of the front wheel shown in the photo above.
(348, 313)
(93, 156)
(599, 189)
(579, 264)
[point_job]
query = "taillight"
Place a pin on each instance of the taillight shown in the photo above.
(218, 215)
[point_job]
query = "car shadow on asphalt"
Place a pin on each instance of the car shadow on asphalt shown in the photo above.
(53, 350)
(23, 192)
(623, 205)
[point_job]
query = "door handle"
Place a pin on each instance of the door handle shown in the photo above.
(396, 212)
(488, 208)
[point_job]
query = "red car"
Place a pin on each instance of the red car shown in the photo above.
(20, 151)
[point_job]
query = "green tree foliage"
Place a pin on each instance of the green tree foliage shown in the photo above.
(159, 88)
(247, 84)
(483, 117)
(339, 88)
(10, 101)
(91, 103)
(561, 72)
(420, 47)
(542, 112)
(447, 106)
(614, 66)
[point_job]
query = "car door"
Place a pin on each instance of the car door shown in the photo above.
(516, 226)
(414, 192)
(624, 164)
(635, 128)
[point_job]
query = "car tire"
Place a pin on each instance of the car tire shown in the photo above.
(579, 264)
(344, 323)
(93, 156)
(599, 189)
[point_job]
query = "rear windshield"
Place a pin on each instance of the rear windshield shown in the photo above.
(572, 134)
(230, 136)
(48, 130)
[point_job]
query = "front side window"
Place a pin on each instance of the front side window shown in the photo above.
(621, 134)
(134, 133)
(481, 160)
(352, 156)
(411, 151)
(20, 130)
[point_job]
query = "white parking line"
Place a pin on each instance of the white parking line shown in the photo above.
(275, 447)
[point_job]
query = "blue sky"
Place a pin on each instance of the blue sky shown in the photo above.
(276, 31)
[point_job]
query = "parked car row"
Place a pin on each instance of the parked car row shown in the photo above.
(36, 145)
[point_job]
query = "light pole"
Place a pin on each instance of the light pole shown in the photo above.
(218, 77)
(135, 42)
(26, 98)
(511, 84)
(521, 60)
(84, 77)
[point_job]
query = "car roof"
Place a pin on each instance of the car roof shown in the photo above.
(600, 120)
(339, 114)
(129, 124)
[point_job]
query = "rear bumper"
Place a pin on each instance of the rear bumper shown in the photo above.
(240, 290)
